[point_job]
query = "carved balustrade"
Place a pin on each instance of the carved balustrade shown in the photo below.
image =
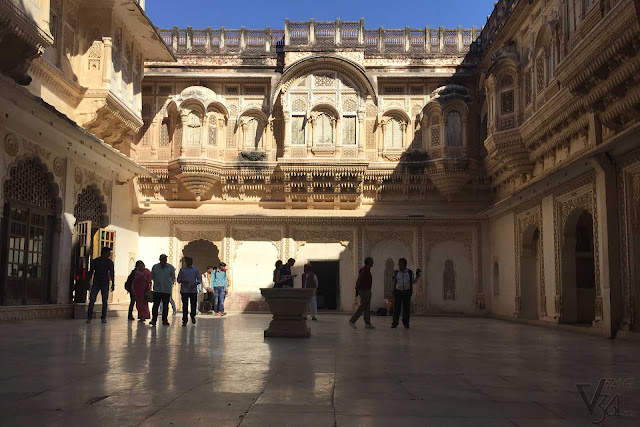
(321, 34)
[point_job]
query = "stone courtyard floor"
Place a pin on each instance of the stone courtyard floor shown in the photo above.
(443, 371)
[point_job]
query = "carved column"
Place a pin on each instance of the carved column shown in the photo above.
(362, 132)
(183, 128)
(286, 139)
(107, 58)
(609, 245)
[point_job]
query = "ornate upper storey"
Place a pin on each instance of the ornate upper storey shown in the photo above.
(91, 70)
(559, 78)
(318, 115)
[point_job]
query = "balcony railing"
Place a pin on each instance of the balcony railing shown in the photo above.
(322, 35)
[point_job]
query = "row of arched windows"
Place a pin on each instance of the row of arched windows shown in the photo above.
(322, 128)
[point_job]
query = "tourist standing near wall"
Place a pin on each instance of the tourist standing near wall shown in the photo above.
(363, 289)
(189, 278)
(403, 280)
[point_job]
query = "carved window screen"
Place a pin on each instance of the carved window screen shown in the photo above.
(194, 125)
(540, 80)
(252, 134)
(28, 184)
(298, 130)
(507, 102)
(393, 138)
(164, 134)
(89, 207)
(213, 132)
(323, 130)
(349, 130)
(454, 129)
(435, 136)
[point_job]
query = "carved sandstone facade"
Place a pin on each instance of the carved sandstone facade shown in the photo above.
(504, 163)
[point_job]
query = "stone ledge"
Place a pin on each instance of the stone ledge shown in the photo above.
(30, 312)
(598, 331)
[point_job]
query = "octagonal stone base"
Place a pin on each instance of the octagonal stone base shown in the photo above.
(288, 306)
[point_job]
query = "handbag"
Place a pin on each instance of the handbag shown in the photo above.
(148, 295)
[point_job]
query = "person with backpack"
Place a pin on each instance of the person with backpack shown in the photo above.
(128, 286)
(403, 281)
(363, 289)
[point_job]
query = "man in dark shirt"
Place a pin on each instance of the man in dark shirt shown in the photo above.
(102, 273)
(363, 288)
(285, 272)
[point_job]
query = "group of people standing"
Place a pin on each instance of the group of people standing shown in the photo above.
(282, 278)
(403, 281)
(156, 286)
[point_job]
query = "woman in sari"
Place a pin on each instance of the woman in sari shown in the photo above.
(141, 283)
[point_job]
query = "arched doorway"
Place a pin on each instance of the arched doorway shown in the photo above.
(31, 205)
(578, 269)
(90, 213)
(203, 253)
(530, 273)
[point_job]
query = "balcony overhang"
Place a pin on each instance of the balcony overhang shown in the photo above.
(135, 18)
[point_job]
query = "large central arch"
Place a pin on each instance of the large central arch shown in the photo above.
(326, 62)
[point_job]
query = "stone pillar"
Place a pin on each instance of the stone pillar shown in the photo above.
(608, 243)
(106, 65)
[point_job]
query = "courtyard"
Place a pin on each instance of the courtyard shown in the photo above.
(443, 371)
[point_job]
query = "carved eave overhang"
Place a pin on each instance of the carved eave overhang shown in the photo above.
(137, 21)
(504, 22)
(506, 147)
(108, 118)
(21, 41)
(450, 176)
(29, 113)
(610, 43)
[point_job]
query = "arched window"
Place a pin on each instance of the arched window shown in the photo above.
(253, 130)
(30, 206)
(323, 127)
(507, 100)
(394, 134)
(194, 125)
(454, 129)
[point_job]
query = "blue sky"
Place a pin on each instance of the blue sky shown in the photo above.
(258, 14)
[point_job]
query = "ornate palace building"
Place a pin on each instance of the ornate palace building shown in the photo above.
(504, 161)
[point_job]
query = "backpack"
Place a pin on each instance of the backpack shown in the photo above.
(395, 276)
(129, 283)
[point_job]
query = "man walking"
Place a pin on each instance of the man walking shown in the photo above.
(163, 275)
(363, 288)
(310, 280)
(102, 273)
(189, 278)
(403, 280)
(220, 286)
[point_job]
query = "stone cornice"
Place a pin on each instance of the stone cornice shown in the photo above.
(619, 26)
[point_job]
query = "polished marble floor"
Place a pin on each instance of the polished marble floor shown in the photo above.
(442, 372)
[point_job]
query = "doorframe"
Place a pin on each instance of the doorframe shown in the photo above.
(338, 280)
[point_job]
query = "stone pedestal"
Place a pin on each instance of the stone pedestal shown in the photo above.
(288, 306)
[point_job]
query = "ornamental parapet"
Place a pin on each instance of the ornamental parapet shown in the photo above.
(322, 35)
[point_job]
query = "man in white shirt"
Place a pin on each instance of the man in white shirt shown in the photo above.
(403, 280)
(310, 280)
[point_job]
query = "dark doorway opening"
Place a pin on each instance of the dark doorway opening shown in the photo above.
(328, 273)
